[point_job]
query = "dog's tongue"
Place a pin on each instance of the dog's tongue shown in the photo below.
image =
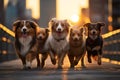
(24, 35)
(59, 32)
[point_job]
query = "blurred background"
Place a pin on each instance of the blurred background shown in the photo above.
(41, 11)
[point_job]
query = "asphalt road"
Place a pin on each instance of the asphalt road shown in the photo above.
(12, 70)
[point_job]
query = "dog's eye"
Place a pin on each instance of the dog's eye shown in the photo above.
(43, 34)
(56, 24)
(73, 34)
(79, 34)
(62, 24)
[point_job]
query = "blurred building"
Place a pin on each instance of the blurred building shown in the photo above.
(116, 14)
(99, 12)
(47, 11)
(105, 11)
(2, 13)
(2, 18)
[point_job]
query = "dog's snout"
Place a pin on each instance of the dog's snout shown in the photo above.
(76, 39)
(93, 32)
(40, 37)
(24, 30)
(59, 29)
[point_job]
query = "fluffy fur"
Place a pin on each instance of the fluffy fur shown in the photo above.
(42, 36)
(77, 49)
(25, 41)
(94, 42)
(57, 43)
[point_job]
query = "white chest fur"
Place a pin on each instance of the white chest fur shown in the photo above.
(25, 44)
(58, 46)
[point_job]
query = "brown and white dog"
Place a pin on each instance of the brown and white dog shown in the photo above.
(25, 41)
(77, 40)
(57, 42)
(42, 36)
(94, 42)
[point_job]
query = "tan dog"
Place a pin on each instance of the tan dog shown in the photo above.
(57, 43)
(25, 41)
(77, 49)
(42, 36)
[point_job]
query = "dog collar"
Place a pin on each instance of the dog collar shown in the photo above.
(58, 40)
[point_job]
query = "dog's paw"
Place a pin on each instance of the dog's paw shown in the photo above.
(59, 67)
(72, 66)
(26, 68)
(99, 60)
(96, 48)
(54, 61)
(88, 48)
(75, 63)
(42, 64)
(89, 60)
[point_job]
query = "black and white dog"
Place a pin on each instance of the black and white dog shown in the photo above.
(94, 42)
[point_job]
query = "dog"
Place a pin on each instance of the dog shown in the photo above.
(57, 42)
(42, 36)
(94, 41)
(77, 41)
(25, 41)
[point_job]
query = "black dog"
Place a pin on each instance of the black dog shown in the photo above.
(94, 42)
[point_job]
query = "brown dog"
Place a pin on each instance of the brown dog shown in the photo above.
(42, 36)
(94, 42)
(77, 50)
(25, 41)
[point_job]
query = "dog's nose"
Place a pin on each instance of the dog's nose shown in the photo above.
(94, 32)
(24, 30)
(76, 39)
(59, 29)
(40, 37)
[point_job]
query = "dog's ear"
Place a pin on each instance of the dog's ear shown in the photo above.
(101, 24)
(53, 19)
(66, 23)
(71, 30)
(16, 24)
(47, 30)
(33, 24)
(86, 25)
(81, 29)
(51, 22)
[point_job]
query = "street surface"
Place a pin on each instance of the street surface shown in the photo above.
(12, 70)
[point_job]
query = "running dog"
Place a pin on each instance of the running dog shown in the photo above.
(94, 42)
(25, 41)
(57, 43)
(77, 49)
(42, 36)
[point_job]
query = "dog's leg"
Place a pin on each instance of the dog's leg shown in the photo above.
(23, 62)
(52, 58)
(99, 58)
(77, 60)
(71, 59)
(38, 60)
(89, 57)
(28, 60)
(61, 59)
(82, 62)
(44, 57)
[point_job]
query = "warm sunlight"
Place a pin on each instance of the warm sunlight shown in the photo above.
(5, 3)
(69, 8)
(34, 5)
(74, 18)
